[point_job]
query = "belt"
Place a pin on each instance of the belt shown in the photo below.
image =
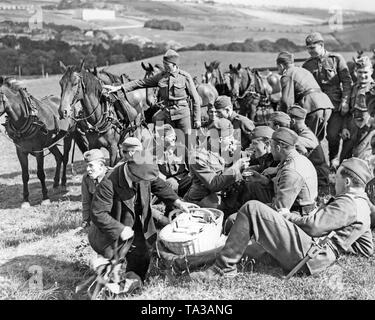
(307, 92)
(172, 103)
(304, 210)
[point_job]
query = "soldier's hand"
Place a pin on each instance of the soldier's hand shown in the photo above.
(344, 108)
(197, 124)
(270, 171)
(111, 88)
(345, 134)
(126, 233)
(242, 163)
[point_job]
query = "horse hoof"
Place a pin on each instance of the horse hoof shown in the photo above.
(46, 202)
(25, 205)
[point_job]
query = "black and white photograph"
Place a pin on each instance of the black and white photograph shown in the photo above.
(186, 155)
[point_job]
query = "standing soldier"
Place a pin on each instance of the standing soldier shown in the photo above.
(299, 87)
(332, 74)
(358, 131)
(176, 87)
(241, 124)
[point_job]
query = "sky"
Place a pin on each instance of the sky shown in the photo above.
(363, 5)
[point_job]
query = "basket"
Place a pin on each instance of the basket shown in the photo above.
(198, 232)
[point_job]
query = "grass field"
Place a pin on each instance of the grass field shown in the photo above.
(47, 236)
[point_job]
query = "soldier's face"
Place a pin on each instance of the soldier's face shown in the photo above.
(275, 150)
(223, 113)
(212, 113)
(169, 67)
(259, 147)
(364, 75)
(170, 140)
(315, 49)
(95, 169)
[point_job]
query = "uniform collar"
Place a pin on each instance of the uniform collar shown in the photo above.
(174, 74)
(126, 176)
(291, 155)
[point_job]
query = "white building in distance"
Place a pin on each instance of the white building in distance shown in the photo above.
(97, 14)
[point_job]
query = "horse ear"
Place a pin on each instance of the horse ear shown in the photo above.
(143, 66)
(62, 66)
(205, 64)
(230, 67)
(1, 81)
(82, 66)
(95, 71)
(151, 68)
(123, 78)
(239, 66)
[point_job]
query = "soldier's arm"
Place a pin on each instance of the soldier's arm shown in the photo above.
(289, 186)
(101, 207)
(142, 83)
(345, 78)
(337, 214)
(212, 181)
(287, 97)
(195, 97)
(309, 142)
(86, 198)
(163, 191)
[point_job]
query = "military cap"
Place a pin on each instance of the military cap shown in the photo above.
(262, 132)
(141, 169)
(285, 135)
(358, 167)
(280, 117)
(222, 101)
(132, 142)
(93, 154)
(285, 57)
(171, 56)
(224, 126)
(314, 37)
(363, 62)
(297, 111)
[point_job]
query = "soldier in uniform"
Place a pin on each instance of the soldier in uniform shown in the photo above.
(172, 161)
(358, 131)
(241, 124)
(309, 145)
(208, 168)
(300, 87)
(295, 185)
(287, 236)
(279, 119)
(176, 87)
(130, 146)
(95, 172)
(332, 74)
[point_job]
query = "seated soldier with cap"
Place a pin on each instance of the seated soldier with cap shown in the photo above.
(172, 161)
(295, 186)
(287, 236)
(130, 147)
(207, 166)
(241, 124)
(95, 172)
(309, 145)
(279, 119)
(175, 88)
(121, 212)
(299, 86)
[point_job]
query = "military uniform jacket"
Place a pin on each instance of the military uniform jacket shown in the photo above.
(296, 182)
(333, 76)
(296, 82)
(349, 215)
(246, 126)
(307, 138)
(114, 198)
(173, 164)
(363, 96)
(174, 90)
(208, 175)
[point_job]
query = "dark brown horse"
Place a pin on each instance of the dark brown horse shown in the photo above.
(251, 92)
(217, 78)
(104, 128)
(34, 128)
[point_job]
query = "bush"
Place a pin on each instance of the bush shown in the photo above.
(164, 25)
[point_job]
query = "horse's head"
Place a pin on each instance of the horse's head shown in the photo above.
(212, 74)
(10, 96)
(151, 94)
(71, 88)
(237, 80)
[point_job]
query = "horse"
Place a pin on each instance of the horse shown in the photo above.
(104, 128)
(33, 126)
(217, 78)
(253, 94)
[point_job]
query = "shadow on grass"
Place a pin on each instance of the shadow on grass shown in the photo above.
(54, 279)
